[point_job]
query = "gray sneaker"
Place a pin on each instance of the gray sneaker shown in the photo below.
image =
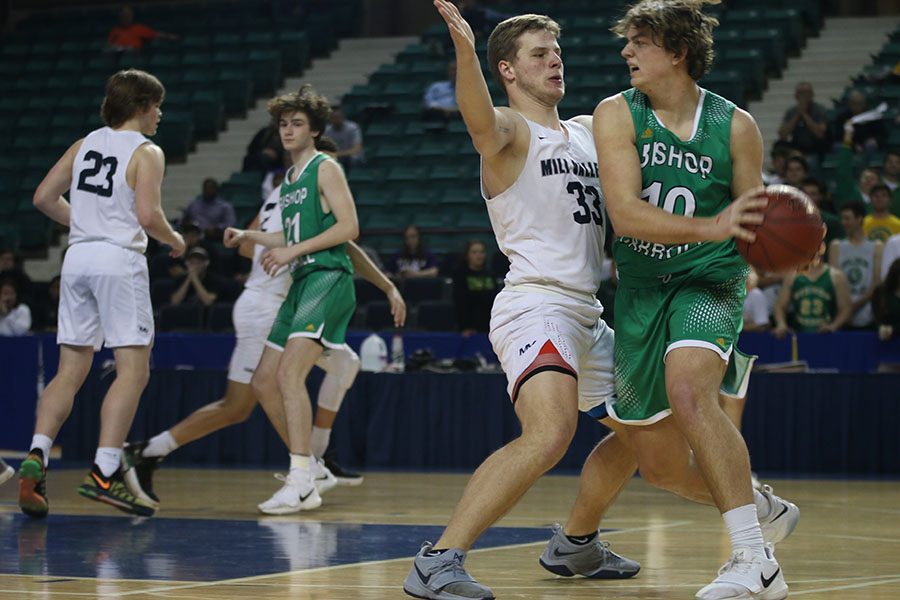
(443, 577)
(781, 520)
(594, 559)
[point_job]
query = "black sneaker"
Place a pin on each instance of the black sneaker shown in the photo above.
(113, 491)
(138, 472)
(344, 477)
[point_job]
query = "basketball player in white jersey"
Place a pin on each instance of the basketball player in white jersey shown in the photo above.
(539, 180)
(253, 316)
(113, 176)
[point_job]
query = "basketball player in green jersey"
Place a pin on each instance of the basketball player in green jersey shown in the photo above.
(821, 299)
(672, 158)
(319, 218)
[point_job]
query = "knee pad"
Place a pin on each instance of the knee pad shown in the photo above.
(342, 364)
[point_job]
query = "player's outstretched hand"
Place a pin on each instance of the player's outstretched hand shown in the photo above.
(233, 237)
(398, 307)
(275, 258)
(743, 211)
(460, 31)
(178, 247)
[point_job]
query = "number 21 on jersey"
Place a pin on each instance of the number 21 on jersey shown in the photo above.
(292, 232)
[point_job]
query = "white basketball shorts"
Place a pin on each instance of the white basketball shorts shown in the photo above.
(535, 331)
(104, 297)
(253, 315)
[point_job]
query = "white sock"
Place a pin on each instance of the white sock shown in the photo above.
(44, 443)
(743, 529)
(318, 442)
(160, 445)
(108, 460)
(763, 507)
(300, 462)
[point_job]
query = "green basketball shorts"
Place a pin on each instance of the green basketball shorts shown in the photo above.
(319, 306)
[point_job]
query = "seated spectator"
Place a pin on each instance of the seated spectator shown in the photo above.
(128, 35)
(796, 171)
(347, 136)
(890, 176)
(864, 137)
(805, 125)
(820, 297)
(756, 308)
(890, 255)
(886, 302)
(818, 193)
(860, 260)
(413, 259)
(474, 288)
(780, 153)
(265, 152)
(210, 212)
(439, 100)
(46, 308)
(199, 284)
(846, 187)
(880, 224)
(15, 316)
(11, 268)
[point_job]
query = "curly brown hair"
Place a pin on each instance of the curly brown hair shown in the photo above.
(314, 105)
(678, 26)
(503, 43)
(129, 93)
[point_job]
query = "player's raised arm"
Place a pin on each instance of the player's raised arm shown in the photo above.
(620, 178)
(491, 129)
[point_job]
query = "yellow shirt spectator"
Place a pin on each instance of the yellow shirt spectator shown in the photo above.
(881, 228)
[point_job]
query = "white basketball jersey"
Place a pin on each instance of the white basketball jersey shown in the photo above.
(259, 280)
(550, 222)
(102, 201)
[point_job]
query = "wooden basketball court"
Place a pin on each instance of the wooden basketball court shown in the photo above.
(208, 541)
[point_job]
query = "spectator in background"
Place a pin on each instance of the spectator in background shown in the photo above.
(128, 35)
(820, 297)
(863, 137)
(886, 303)
(210, 212)
(265, 152)
(846, 188)
(781, 152)
(818, 193)
(805, 125)
(199, 284)
(860, 260)
(474, 288)
(890, 255)
(347, 135)
(11, 268)
(15, 316)
(439, 101)
(756, 308)
(796, 171)
(881, 224)
(890, 176)
(413, 259)
(46, 308)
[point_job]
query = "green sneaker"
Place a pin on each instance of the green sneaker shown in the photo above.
(33, 486)
(113, 491)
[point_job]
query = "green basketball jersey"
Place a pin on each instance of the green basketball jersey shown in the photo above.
(691, 178)
(815, 301)
(303, 218)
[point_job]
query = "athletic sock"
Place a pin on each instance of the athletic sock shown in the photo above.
(318, 442)
(42, 443)
(743, 529)
(300, 461)
(160, 445)
(582, 540)
(107, 460)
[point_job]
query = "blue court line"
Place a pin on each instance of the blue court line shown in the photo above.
(209, 549)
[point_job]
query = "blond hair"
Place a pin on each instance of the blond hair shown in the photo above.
(314, 105)
(129, 93)
(678, 26)
(503, 44)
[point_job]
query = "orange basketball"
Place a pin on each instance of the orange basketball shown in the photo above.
(791, 234)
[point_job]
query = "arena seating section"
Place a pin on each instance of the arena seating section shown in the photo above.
(417, 171)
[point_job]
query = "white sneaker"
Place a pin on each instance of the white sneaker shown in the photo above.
(747, 576)
(781, 520)
(323, 478)
(6, 471)
(293, 497)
